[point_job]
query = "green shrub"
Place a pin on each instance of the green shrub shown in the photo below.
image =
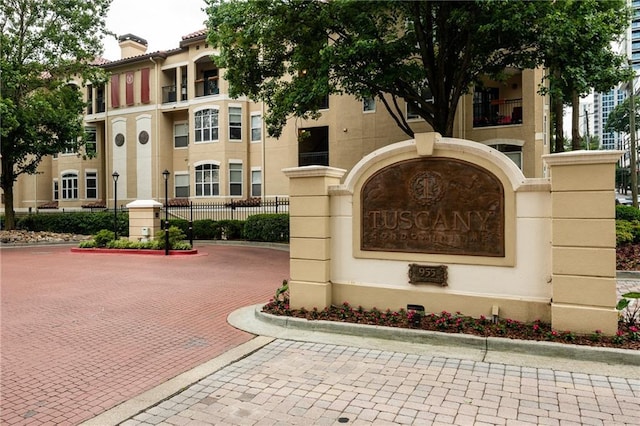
(84, 223)
(627, 232)
(87, 244)
(205, 229)
(176, 236)
(230, 229)
(267, 227)
(181, 224)
(628, 213)
(103, 237)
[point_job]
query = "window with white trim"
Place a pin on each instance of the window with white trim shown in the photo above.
(235, 179)
(256, 183)
(369, 105)
(256, 128)
(70, 186)
(91, 147)
(91, 184)
(206, 125)
(56, 190)
(412, 111)
(207, 180)
(181, 189)
(235, 123)
(180, 135)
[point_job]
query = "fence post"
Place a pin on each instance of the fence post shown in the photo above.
(276, 205)
(191, 223)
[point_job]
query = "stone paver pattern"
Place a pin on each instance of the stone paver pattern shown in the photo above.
(82, 333)
(301, 383)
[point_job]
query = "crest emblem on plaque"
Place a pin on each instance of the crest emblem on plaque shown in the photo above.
(427, 188)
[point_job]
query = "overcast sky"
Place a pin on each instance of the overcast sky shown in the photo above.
(161, 22)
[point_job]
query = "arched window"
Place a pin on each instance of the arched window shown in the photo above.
(207, 180)
(206, 125)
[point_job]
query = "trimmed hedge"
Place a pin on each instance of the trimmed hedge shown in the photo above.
(267, 227)
(628, 213)
(83, 223)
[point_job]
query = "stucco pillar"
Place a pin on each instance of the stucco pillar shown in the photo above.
(583, 241)
(144, 219)
(310, 234)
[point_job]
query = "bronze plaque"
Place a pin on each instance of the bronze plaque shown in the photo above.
(426, 274)
(433, 205)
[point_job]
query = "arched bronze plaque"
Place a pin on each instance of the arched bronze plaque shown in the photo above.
(433, 205)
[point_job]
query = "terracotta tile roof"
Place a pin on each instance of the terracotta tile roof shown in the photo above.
(198, 33)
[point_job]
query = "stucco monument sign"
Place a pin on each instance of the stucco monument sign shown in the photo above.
(433, 205)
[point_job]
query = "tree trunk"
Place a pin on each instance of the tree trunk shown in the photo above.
(575, 122)
(7, 189)
(559, 125)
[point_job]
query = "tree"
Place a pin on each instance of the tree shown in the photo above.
(291, 53)
(44, 45)
(618, 119)
(576, 42)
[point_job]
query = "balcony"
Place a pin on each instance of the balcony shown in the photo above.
(168, 94)
(320, 158)
(207, 87)
(497, 112)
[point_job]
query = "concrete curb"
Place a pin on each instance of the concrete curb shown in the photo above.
(628, 275)
(488, 344)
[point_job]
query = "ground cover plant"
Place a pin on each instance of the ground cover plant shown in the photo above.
(627, 336)
(627, 238)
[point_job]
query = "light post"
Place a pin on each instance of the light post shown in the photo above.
(165, 175)
(115, 177)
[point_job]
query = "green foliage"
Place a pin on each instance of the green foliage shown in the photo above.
(627, 232)
(44, 46)
(103, 237)
(628, 213)
(176, 236)
(88, 244)
(84, 223)
(618, 118)
(629, 308)
(267, 227)
(290, 54)
(182, 224)
(205, 229)
(230, 229)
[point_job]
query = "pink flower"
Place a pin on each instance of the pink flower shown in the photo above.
(633, 329)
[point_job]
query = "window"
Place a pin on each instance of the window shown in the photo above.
(91, 184)
(207, 180)
(182, 186)
(256, 128)
(206, 127)
(70, 186)
(256, 183)
(412, 111)
(368, 104)
(235, 123)
(235, 179)
(56, 190)
(70, 148)
(91, 148)
(181, 135)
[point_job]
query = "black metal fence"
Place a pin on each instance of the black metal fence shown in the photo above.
(236, 210)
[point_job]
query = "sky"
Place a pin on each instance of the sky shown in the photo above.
(161, 22)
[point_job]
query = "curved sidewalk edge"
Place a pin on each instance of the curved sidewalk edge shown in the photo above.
(492, 349)
(154, 396)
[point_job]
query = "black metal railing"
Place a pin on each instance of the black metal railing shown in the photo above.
(169, 94)
(230, 210)
(319, 158)
(498, 112)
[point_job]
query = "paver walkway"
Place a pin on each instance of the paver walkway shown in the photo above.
(84, 332)
(300, 383)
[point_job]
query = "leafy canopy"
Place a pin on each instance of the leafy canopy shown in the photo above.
(292, 53)
(44, 45)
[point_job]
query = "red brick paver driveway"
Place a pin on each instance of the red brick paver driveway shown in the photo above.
(82, 333)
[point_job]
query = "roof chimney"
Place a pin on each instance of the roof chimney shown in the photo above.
(131, 45)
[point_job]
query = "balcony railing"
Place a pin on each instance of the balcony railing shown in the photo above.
(319, 158)
(207, 87)
(498, 112)
(169, 94)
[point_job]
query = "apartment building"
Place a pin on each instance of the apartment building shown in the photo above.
(170, 110)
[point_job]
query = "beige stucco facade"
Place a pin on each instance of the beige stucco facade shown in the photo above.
(149, 117)
(551, 270)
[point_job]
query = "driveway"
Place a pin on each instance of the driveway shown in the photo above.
(82, 333)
